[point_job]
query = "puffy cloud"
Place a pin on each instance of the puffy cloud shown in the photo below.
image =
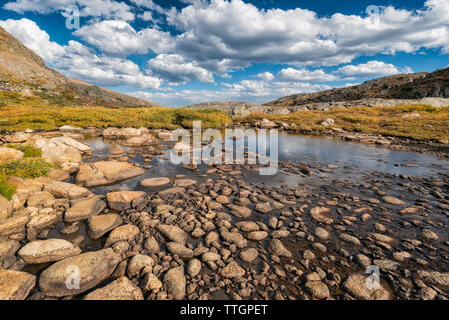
(305, 75)
(370, 69)
(241, 33)
(175, 69)
(97, 8)
(75, 60)
(29, 33)
(267, 76)
(117, 37)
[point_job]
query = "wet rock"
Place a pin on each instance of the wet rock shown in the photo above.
(122, 200)
(173, 233)
(15, 285)
(321, 233)
(249, 255)
(10, 155)
(350, 239)
(37, 252)
(151, 245)
(66, 190)
(393, 200)
(240, 212)
(180, 250)
(155, 182)
(428, 235)
(84, 209)
(257, 235)
(6, 208)
(175, 282)
(92, 268)
(434, 277)
(317, 289)
(277, 248)
(120, 289)
(115, 149)
(127, 233)
(356, 286)
(234, 238)
(140, 263)
(184, 183)
(171, 192)
(386, 265)
(98, 226)
(263, 207)
(232, 270)
(320, 214)
(194, 268)
(106, 173)
(15, 224)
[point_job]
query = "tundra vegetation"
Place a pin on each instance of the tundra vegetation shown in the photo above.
(420, 122)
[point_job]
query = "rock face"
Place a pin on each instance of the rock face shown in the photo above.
(93, 267)
(15, 285)
(37, 252)
(123, 200)
(356, 285)
(120, 289)
(84, 209)
(175, 282)
(98, 226)
(106, 173)
(10, 155)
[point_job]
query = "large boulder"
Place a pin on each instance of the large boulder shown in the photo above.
(106, 172)
(67, 190)
(120, 289)
(63, 151)
(10, 155)
(122, 200)
(15, 224)
(76, 275)
(15, 285)
(84, 209)
(43, 251)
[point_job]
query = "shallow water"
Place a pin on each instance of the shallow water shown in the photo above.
(355, 161)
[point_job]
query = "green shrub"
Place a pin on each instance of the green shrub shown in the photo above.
(28, 151)
(27, 168)
(6, 190)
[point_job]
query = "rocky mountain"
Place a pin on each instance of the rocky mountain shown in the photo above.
(22, 70)
(405, 86)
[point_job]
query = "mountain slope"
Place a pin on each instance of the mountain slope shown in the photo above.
(23, 71)
(406, 86)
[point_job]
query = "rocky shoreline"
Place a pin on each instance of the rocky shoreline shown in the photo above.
(212, 232)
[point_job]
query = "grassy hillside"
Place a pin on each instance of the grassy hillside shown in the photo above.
(18, 112)
(432, 124)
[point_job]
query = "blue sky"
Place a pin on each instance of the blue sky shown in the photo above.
(181, 52)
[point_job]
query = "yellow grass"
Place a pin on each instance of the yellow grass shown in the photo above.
(432, 124)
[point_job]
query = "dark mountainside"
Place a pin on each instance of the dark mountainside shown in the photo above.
(405, 86)
(23, 71)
